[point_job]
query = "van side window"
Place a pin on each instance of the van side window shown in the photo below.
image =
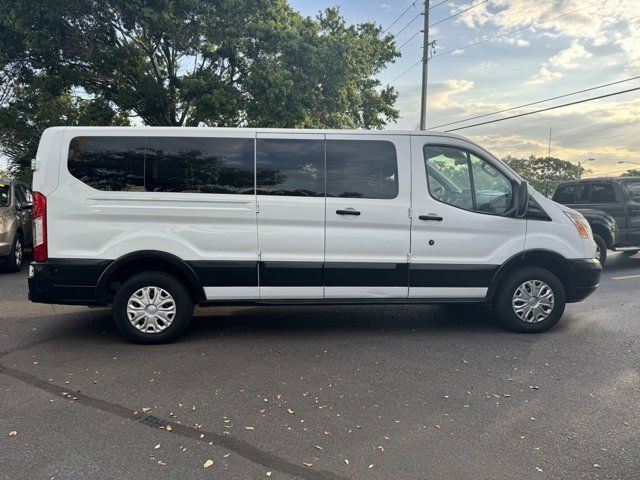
(449, 177)
(602, 193)
(199, 165)
(459, 178)
(568, 194)
(108, 163)
(362, 169)
(290, 167)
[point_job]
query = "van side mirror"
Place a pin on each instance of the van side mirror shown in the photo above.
(521, 191)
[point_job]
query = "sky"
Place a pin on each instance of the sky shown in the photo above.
(571, 45)
(596, 45)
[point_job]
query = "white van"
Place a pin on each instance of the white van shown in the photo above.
(155, 220)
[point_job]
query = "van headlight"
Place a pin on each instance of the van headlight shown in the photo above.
(583, 227)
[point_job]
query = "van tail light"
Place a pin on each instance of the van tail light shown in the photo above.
(40, 253)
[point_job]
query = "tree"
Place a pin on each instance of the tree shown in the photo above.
(211, 62)
(634, 172)
(34, 108)
(544, 173)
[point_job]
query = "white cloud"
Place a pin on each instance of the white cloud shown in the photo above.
(567, 59)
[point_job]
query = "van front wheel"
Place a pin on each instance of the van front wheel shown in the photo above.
(152, 308)
(530, 300)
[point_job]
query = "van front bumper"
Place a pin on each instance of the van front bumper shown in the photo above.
(584, 278)
(66, 281)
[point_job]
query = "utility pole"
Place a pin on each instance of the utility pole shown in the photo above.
(425, 67)
(550, 128)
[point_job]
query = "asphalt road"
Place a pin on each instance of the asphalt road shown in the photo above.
(411, 392)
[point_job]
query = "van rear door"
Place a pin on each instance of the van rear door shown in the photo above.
(367, 216)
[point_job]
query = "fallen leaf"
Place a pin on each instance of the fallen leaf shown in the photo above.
(13, 433)
(327, 433)
(346, 460)
(169, 428)
(539, 469)
(371, 466)
(226, 455)
(381, 448)
(268, 474)
(317, 447)
(145, 409)
(249, 428)
(307, 464)
(156, 447)
(290, 410)
(160, 462)
(437, 426)
(596, 465)
(208, 463)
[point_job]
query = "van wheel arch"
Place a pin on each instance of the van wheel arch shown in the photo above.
(548, 260)
(148, 260)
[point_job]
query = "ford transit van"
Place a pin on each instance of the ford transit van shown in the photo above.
(153, 221)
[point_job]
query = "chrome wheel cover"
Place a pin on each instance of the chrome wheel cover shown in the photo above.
(533, 301)
(18, 253)
(151, 309)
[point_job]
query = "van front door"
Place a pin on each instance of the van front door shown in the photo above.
(463, 224)
(367, 222)
(290, 194)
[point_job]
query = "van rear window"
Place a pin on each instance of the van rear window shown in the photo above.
(164, 164)
(108, 163)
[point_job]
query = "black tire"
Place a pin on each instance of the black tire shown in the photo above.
(181, 298)
(503, 304)
(602, 248)
(13, 263)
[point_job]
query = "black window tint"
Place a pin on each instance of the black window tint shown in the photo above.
(568, 194)
(290, 167)
(602, 193)
(108, 163)
(362, 169)
(200, 165)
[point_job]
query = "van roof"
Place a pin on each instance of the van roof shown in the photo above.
(264, 130)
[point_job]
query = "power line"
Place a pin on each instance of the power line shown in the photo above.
(409, 39)
(438, 4)
(604, 174)
(545, 109)
(395, 35)
(511, 32)
(538, 102)
(458, 13)
(407, 70)
(400, 16)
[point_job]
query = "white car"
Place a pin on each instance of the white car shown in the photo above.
(155, 220)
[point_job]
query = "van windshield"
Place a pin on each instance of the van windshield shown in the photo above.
(4, 195)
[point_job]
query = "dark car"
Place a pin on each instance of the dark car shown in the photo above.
(612, 208)
(15, 223)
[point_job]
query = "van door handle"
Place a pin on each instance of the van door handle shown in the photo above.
(431, 217)
(349, 211)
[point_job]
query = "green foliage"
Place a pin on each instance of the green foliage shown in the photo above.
(634, 172)
(4, 174)
(187, 63)
(544, 173)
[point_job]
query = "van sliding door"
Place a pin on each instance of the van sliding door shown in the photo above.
(367, 216)
(291, 213)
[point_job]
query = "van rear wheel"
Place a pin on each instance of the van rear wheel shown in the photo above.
(152, 308)
(530, 300)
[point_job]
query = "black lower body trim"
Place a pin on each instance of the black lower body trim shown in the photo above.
(226, 273)
(342, 274)
(584, 278)
(66, 281)
(443, 275)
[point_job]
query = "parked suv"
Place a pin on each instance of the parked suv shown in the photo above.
(612, 208)
(15, 223)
